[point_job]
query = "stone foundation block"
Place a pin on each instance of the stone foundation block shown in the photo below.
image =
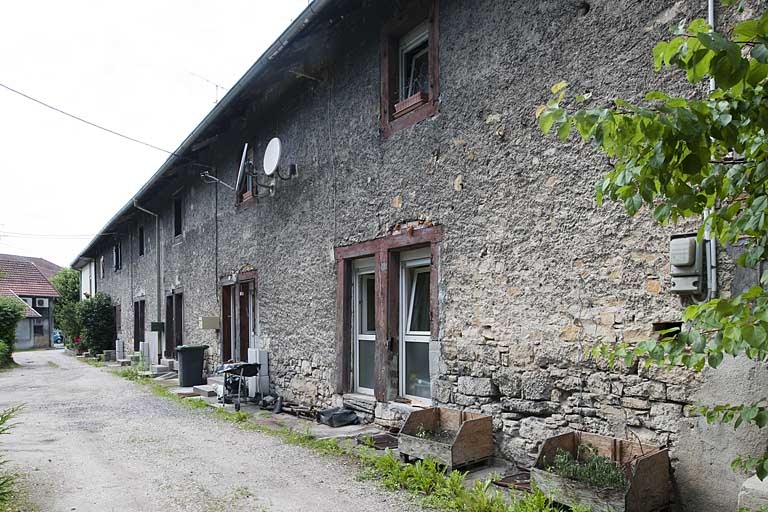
(753, 494)
(477, 386)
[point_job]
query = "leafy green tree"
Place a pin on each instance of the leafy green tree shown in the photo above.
(11, 312)
(67, 283)
(97, 320)
(66, 310)
(703, 157)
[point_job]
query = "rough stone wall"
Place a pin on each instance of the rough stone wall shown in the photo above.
(532, 274)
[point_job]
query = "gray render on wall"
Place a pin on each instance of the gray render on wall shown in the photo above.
(531, 272)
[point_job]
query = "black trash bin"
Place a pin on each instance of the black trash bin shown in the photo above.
(191, 364)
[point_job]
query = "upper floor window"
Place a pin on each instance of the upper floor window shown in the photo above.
(140, 236)
(409, 67)
(101, 267)
(178, 216)
(117, 256)
(413, 70)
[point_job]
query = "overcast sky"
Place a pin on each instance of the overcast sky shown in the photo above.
(129, 66)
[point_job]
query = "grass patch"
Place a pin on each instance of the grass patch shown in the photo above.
(18, 500)
(158, 388)
(10, 494)
(92, 362)
(129, 373)
(53, 365)
(9, 366)
(449, 492)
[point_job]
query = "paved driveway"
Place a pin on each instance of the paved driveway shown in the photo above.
(90, 441)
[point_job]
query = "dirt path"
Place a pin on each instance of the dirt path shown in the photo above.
(90, 441)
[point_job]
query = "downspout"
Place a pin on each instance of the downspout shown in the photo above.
(711, 242)
(157, 250)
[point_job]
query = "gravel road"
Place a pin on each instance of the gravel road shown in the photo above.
(88, 440)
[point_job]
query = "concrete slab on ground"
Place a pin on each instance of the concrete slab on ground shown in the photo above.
(204, 390)
(184, 392)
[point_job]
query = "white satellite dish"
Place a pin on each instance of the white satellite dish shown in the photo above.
(241, 172)
(272, 156)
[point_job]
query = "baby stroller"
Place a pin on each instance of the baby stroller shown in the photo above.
(234, 380)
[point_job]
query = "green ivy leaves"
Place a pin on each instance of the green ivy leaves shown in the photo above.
(703, 157)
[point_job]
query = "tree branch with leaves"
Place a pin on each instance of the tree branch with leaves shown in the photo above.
(704, 157)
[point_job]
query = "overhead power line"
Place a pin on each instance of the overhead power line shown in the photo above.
(78, 118)
(13, 234)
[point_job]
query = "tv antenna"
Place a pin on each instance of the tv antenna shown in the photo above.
(214, 84)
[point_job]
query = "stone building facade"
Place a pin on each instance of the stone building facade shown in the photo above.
(453, 241)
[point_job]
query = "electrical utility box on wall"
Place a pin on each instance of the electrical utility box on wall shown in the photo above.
(686, 267)
(208, 322)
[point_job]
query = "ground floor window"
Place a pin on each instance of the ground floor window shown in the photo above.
(364, 314)
(387, 315)
(414, 320)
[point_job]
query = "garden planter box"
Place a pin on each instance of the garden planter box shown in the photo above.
(453, 438)
(645, 467)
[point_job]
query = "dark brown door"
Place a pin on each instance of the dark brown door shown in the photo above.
(226, 323)
(138, 323)
(244, 320)
(169, 324)
(178, 323)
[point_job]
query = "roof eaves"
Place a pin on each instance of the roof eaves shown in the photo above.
(304, 19)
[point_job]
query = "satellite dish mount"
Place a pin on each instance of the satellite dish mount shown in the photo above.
(247, 168)
(272, 160)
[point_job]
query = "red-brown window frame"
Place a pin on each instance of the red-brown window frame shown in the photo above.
(386, 251)
(390, 38)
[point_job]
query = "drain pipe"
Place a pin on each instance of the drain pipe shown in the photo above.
(159, 277)
(711, 242)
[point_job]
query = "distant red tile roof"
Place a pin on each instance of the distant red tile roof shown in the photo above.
(25, 279)
(28, 311)
(47, 268)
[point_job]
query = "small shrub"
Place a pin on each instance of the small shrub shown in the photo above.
(66, 314)
(97, 320)
(5, 354)
(11, 312)
(588, 467)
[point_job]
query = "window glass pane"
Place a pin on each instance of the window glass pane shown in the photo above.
(414, 62)
(420, 306)
(367, 305)
(370, 304)
(177, 217)
(365, 361)
(417, 65)
(417, 369)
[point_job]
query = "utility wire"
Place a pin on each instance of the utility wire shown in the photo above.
(13, 234)
(113, 132)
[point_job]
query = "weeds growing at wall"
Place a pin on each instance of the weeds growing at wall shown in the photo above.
(588, 467)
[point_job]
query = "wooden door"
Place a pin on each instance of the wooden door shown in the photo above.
(244, 320)
(138, 323)
(226, 323)
(178, 324)
(169, 324)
